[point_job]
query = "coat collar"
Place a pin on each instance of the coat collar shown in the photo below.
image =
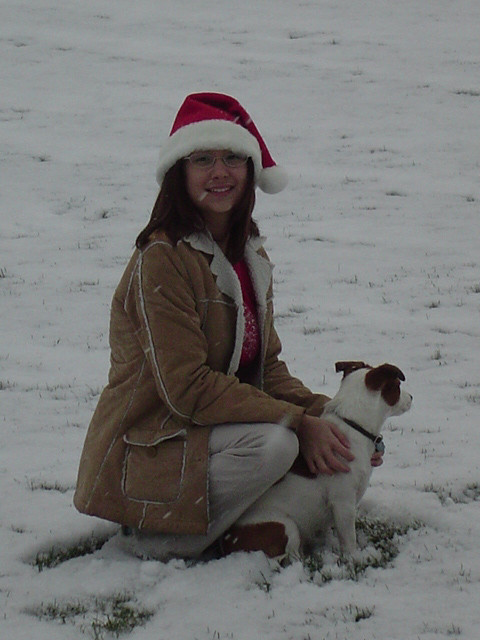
(260, 269)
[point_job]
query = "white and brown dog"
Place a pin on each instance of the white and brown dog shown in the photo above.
(301, 508)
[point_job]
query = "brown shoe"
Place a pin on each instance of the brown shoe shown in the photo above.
(268, 537)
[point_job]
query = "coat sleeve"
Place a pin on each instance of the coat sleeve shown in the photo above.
(163, 306)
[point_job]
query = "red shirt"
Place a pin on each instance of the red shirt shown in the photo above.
(251, 338)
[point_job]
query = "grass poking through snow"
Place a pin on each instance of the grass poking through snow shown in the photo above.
(98, 617)
(59, 554)
(379, 544)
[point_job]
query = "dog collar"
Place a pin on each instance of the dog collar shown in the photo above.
(377, 440)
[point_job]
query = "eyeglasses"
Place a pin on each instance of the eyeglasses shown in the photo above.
(203, 160)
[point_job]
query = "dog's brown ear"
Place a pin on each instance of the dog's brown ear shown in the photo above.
(386, 377)
(378, 376)
(349, 366)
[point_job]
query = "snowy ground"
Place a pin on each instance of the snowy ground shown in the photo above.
(374, 108)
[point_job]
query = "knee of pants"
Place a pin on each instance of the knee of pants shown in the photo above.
(280, 450)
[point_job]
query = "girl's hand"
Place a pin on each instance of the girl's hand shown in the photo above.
(324, 447)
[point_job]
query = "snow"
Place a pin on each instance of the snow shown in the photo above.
(374, 109)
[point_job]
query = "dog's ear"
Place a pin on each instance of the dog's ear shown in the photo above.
(349, 366)
(379, 375)
(386, 377)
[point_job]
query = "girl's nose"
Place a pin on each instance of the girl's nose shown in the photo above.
(219, 167)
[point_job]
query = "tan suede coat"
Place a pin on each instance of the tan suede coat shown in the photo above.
(176, 334)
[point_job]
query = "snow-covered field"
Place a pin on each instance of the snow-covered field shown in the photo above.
(374, 108)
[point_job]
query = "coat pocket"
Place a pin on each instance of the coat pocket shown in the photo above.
(154, 465)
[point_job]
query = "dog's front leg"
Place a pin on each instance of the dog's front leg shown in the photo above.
(344, 519)
(293, 549)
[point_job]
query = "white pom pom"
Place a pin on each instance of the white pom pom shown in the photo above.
(272, 179)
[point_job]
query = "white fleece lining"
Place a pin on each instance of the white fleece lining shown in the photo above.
(228, 283)
(260, 271)
(261, 274)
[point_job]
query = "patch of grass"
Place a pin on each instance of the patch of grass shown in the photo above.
(308, 331)
(17, 528)
(355, 613)
(118, 615)
(470, 493)
(474, 93)
(437, 355)
(453, 629)
(60, 554)
(393, 193)
(314, 566)
(42, 485)
(61, 611)
(384, 536)
(98, 617)
(216, 635)
(297, 309)
(263, 583)
(6, 384)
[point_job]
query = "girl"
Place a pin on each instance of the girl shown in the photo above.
(200, 415)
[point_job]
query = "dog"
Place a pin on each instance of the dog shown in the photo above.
(299, 509)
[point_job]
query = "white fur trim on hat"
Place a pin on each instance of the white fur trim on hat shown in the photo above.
(219, 134)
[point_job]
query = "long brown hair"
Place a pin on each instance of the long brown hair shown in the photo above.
(175, 213)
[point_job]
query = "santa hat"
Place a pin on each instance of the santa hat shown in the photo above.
(218, 121)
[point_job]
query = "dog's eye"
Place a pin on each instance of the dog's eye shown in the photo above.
(391, 392)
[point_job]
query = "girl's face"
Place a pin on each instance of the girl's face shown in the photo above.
(215, 189)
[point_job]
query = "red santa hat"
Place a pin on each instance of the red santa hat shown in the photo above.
(217, 121)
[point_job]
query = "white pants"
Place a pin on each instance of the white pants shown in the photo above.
(245, 460)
